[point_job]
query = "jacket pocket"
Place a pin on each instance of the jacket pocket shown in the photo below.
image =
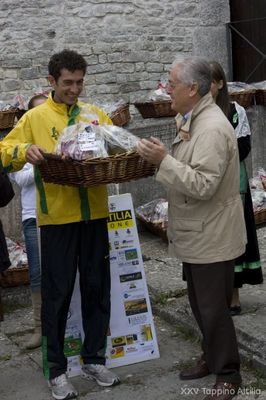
(194, 225)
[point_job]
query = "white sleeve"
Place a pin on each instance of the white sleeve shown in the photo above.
(243, 128)
(24, 177)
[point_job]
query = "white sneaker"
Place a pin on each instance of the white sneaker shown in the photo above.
(99, 373)
(61, 388)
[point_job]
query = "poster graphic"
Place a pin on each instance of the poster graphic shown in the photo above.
(132, 336)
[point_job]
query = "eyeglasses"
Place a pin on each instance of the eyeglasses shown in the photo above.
(173, 85)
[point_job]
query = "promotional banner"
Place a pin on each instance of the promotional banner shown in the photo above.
(74, 333)
(132, 336)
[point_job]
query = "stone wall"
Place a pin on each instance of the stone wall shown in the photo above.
(128, 45)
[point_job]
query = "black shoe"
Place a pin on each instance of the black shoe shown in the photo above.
(235, 310)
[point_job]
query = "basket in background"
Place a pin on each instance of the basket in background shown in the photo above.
(260, 97)
(96, 171)
(155, 109)
(121, 116)
(245, 98)
(7, 118)
(260, 216)
(156, 228)
(14, 277)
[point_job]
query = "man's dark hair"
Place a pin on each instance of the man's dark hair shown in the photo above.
(67, 59)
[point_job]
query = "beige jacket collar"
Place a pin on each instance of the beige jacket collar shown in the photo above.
(183, 127)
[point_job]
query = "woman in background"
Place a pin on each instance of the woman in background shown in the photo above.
(6, 195)
(247, 267)
(25, 180)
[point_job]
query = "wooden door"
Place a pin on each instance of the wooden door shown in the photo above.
(248, 38)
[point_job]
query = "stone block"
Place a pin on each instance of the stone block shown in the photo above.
(154, 67)
(10, 74)
(11, 84)
(29, 73)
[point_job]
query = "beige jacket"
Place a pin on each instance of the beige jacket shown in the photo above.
(206, 222)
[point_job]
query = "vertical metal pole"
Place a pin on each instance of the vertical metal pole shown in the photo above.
(229, 52)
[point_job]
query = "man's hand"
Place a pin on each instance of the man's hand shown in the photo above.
(152, 150)
(34, 154)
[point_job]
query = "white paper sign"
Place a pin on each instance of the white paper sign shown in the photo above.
(132, 334)
(74, 333)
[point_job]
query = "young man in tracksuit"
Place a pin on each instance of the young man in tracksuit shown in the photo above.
(73, 225)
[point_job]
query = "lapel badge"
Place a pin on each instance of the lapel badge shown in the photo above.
(184, 135)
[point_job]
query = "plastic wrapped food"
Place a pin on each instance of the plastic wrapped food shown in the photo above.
(88, 115)
(5, 106)
(110, 108)
(258, 199)
(239, 87)
(259, 85)
(154, 215)
(258, 182)
(80, 141)
(118, 140)
(258, 190)
(17, 254)
(255, 183)
(83, 140)
(262, 175)
(160, 93)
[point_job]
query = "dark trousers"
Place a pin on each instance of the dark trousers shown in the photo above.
(210, 289)
(1, 306)
(64, 248)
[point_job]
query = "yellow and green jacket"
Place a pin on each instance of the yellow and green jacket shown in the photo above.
(56, 204)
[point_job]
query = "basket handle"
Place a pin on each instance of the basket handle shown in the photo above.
(51, 156)
(57, 157)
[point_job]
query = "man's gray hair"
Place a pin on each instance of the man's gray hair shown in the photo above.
(195, 70)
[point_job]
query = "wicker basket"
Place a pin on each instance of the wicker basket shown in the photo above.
(244, 98)
(15, 277)
(121, 116)
(260, 216)
(94, 172)
(7, 118)
(155, 109)
(155, 228)
(260, 97)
